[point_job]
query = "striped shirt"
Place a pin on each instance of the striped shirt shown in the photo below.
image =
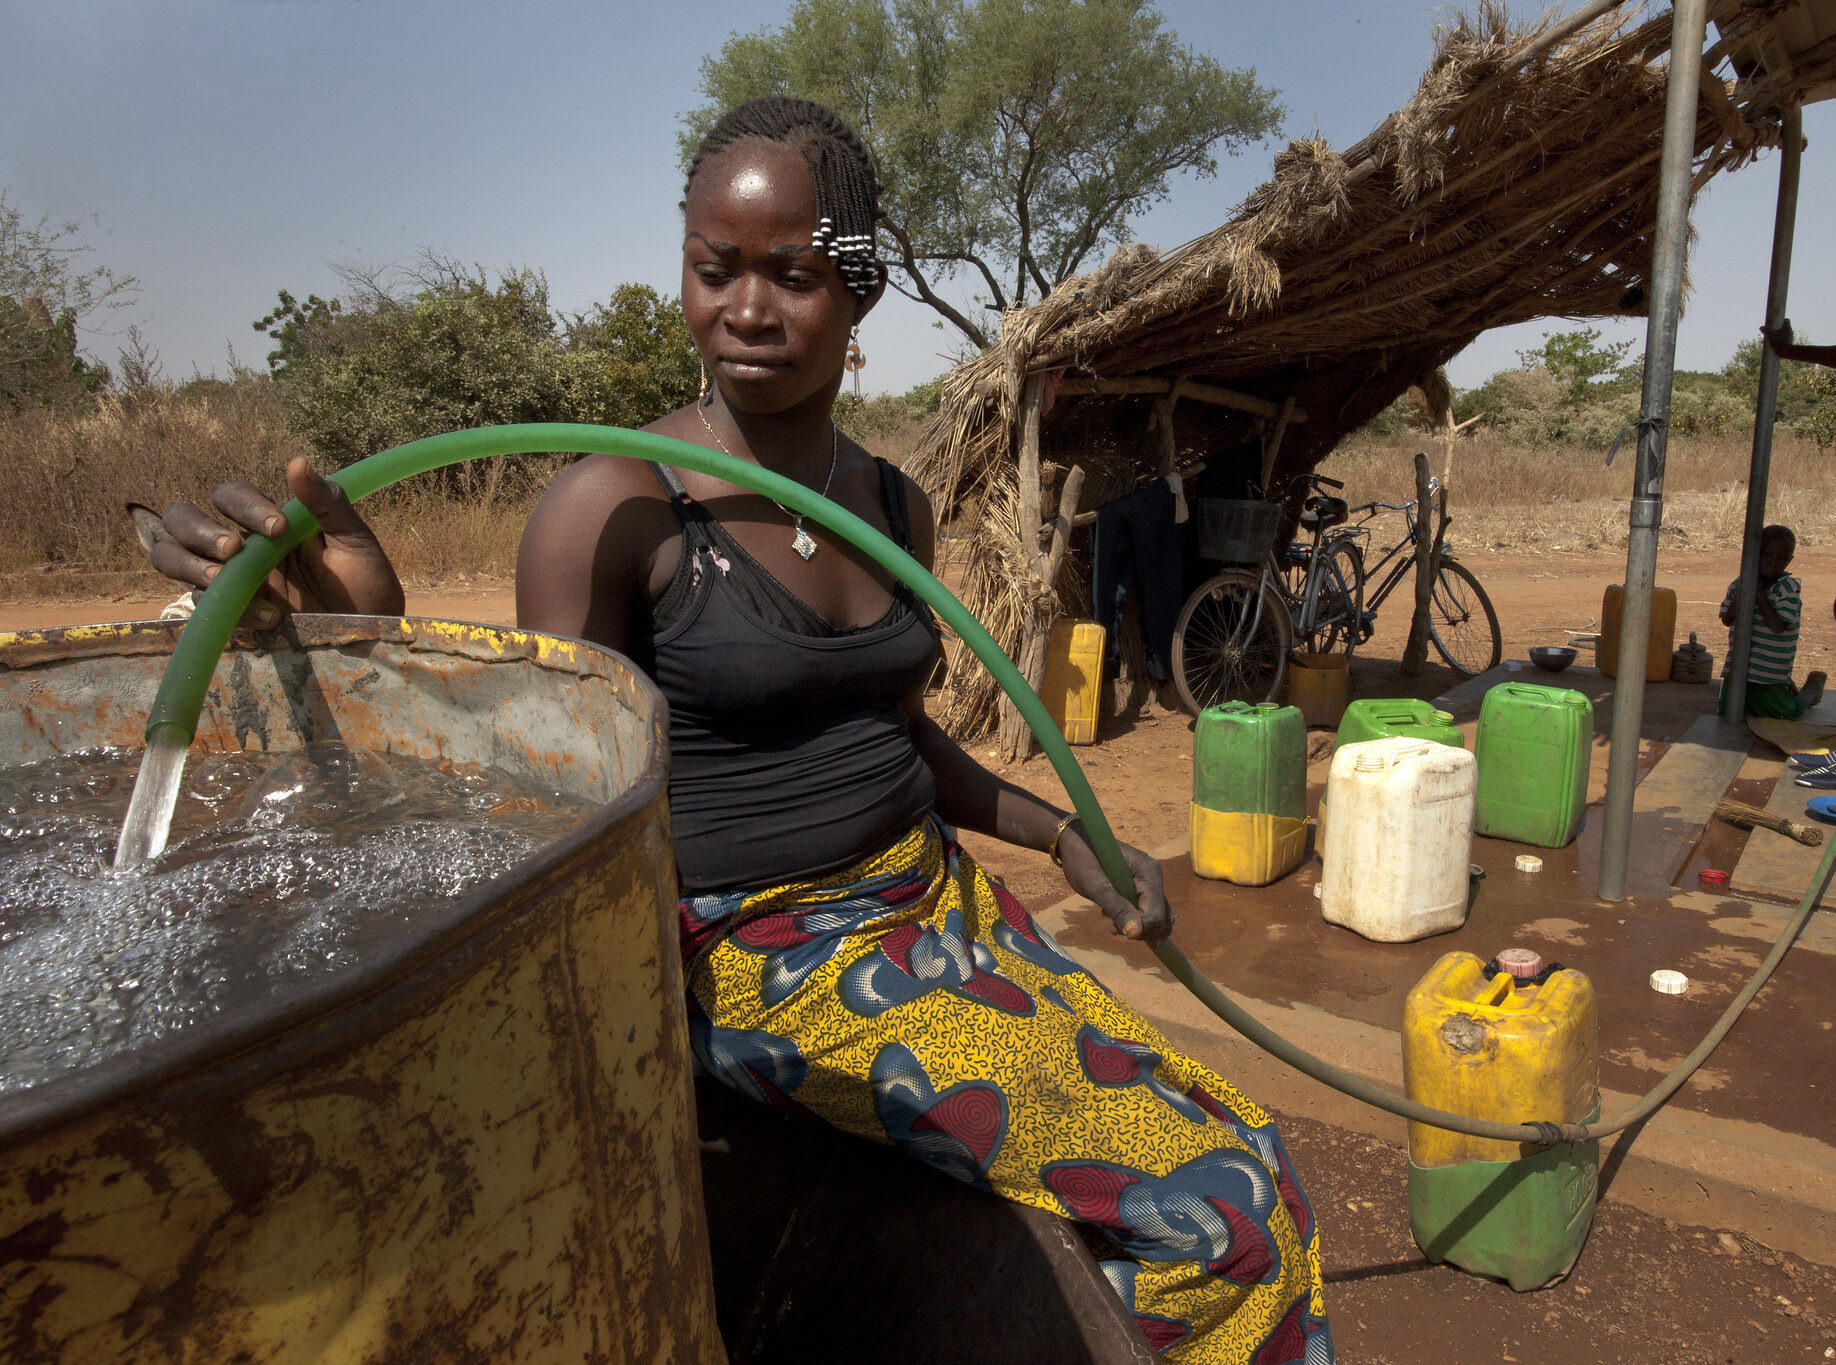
(1774, 651)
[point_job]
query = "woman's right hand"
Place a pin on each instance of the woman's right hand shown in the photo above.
(342, 569)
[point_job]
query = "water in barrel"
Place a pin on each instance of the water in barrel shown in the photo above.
(280, 868)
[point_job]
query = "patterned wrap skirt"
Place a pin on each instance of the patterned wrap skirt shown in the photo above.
(912, 1001)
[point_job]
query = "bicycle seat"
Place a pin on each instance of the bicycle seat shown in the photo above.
(1321, 513)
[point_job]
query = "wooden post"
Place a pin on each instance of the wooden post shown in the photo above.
(1415, 654)
(1452, 438)
(1273, 449)
(1016, 739)
(1032, 398)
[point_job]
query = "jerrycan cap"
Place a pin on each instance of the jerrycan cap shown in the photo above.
(1370, 763)
(1522, 963)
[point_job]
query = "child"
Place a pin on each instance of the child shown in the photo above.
(1775, 635)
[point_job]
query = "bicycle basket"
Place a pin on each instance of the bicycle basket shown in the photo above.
(1236, 530)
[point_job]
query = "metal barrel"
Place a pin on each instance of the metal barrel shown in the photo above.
(479, 1145)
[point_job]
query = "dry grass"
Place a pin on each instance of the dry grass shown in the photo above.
(1519, 499)
(65, 475)
(434, 537)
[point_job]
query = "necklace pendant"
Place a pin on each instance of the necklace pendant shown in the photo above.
(804, 544)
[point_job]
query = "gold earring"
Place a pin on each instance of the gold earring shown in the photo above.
(856, 360)
(702, 396)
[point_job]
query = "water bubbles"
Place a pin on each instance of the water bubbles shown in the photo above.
(281, 869)
(220, 777)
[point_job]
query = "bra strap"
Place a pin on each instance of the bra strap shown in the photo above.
(892, 497)
(692, 514)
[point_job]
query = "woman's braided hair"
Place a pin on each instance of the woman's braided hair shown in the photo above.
(847, 190)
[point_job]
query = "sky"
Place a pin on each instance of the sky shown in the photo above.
(222, 150)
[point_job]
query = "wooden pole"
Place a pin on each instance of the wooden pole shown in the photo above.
(1452, 437)
(1016, 739)
(1415, 654)
(1273, 451)
(1031, 400)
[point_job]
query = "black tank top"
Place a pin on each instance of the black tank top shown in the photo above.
(789, 755)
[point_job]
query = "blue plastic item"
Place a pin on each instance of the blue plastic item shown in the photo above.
(1823, 808)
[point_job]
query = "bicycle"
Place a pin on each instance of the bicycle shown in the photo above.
(1462, 623)
(1235, 632)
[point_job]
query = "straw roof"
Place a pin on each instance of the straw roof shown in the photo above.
(1505, 190)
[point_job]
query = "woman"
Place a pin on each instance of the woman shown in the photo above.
(845, 958)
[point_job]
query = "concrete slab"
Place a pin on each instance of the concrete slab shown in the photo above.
(1674, 803)
(1773, 867)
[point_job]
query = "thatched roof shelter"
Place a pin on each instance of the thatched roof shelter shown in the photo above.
(1520, 182)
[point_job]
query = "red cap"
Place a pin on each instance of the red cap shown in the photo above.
(1712, 876)
(1521, 963)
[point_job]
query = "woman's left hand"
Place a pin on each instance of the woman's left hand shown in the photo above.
(1151, 921)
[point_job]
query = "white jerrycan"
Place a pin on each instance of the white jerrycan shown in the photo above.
(1398, 851)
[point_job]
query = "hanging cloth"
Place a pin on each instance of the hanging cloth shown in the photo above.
(1135, 547)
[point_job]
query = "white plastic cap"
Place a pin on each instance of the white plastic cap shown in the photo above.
(1529, 862)
(1666, 982)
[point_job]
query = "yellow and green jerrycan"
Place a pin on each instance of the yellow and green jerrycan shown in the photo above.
(1513, 1041)
(1249, 792)
(1532, 746)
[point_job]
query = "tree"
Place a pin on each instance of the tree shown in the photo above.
(440, 347)
(44, 297)
(1015, 138)
(1578, 362)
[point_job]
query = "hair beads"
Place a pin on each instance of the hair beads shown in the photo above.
(847, 190)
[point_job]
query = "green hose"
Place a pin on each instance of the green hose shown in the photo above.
(181, 698)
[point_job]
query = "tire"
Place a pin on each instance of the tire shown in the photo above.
(1224, 648)
(1339, 608)
(1462, 621)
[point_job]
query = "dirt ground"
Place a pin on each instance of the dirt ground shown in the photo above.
(1645, 1289)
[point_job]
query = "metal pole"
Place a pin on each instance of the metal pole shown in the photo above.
(1784, 226)
(1688, 27)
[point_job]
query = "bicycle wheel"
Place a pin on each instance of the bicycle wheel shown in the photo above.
(1339, 606)
(1231, 642)
(1462, 622)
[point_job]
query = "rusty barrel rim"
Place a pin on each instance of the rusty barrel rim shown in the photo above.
(282, 1031)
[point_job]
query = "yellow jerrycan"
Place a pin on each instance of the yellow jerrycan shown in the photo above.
(1072, 687)
(1510, 1040)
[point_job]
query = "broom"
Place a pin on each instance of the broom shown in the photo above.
(1743, 816)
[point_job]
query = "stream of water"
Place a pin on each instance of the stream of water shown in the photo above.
(280, 869)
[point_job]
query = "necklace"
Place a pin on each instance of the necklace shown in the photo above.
(803, 542)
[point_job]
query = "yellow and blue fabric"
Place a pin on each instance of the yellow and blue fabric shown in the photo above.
(912, 1001)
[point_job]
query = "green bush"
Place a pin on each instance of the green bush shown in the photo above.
(458, 351)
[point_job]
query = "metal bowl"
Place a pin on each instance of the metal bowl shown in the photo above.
(1551, 658)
